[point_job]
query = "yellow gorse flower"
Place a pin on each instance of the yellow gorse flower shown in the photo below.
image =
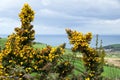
(27, 14)
(87, 78)
(78, 39)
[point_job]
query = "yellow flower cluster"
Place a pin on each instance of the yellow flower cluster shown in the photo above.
(1, 66)
(31, 59)
(87, 78)
(48, 55)
(78, 39)
(52, 55)
(55, 53)
(91, 56)
(27, 14)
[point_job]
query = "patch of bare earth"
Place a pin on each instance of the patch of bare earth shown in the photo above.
(113, 61)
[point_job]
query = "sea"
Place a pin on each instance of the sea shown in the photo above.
(56, 40)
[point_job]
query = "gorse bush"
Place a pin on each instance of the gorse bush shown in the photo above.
(92, 58)
(19, 50)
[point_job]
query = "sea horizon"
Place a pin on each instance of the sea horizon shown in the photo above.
(56, 40)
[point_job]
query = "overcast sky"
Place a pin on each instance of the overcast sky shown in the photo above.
(53, 16)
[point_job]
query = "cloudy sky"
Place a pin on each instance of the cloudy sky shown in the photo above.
(53, 16)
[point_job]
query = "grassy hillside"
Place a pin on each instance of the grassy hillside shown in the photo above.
(114, 47)
(36, 45)
(2, 42)
(39, 45)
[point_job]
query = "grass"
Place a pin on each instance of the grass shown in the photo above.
(2, 42)
(39, 45)
(109, 71)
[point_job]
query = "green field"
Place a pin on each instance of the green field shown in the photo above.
(109, 72)
(39, 45)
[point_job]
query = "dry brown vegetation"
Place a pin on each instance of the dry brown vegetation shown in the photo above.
(113, 61)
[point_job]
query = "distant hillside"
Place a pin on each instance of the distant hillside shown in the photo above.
(2, 42)
(36, 44)
(113, 47)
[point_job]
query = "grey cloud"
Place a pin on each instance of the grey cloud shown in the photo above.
(106, 9)
(76, 14)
